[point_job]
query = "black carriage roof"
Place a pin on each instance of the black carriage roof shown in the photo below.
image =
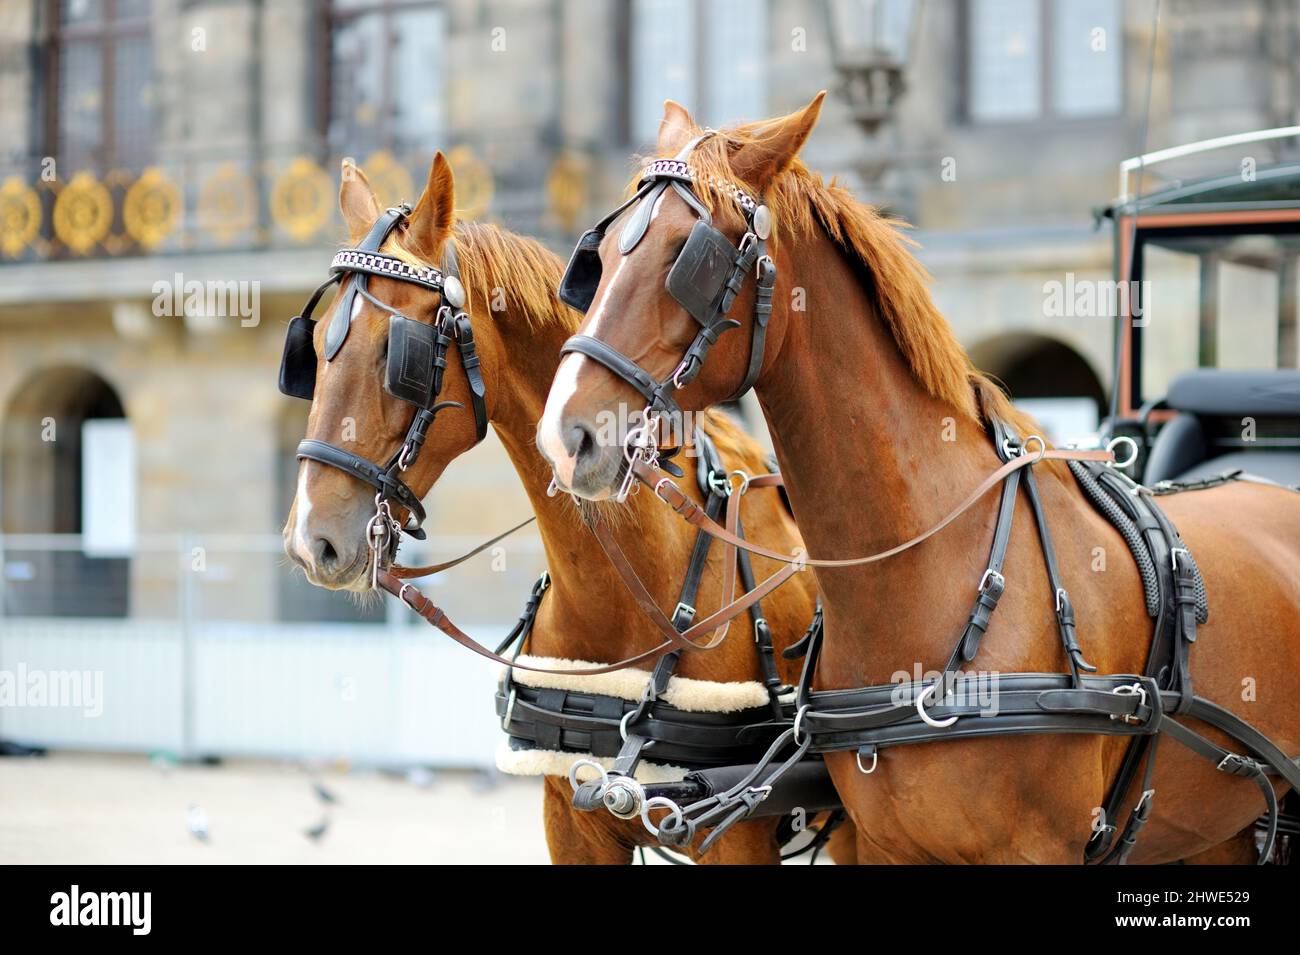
(1272, 187)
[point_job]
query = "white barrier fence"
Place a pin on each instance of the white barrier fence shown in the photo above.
(212, 657)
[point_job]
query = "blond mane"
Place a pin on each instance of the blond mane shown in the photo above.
(800, 201)
(495, 263)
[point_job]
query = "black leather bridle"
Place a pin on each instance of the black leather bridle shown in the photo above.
(706, 278)
(417, 358)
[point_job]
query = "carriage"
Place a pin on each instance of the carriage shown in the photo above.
(773, 754)
(1219, 254)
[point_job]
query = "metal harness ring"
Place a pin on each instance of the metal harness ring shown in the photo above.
(926, 717)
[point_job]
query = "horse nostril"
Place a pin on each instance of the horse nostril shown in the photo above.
(326, 555)
(579, 440)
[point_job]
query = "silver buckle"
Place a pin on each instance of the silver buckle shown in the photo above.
(991, 574)
(1130, 689)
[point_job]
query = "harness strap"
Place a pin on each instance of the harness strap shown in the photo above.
(423, 606)
(1061, 599)
(656, 395)
(992, 584)
(692, 513)
(407, 573)
(762, 316)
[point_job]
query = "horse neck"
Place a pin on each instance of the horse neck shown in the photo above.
(862, 447)
(595, 616)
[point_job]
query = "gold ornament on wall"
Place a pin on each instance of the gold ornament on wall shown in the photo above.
(474, 185)
(83, 213)
(227, 204)
(390, 180)
(302, 199)
(566, 189)
(20, 216)
(151, 208)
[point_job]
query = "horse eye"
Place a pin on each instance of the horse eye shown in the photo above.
(675, 249)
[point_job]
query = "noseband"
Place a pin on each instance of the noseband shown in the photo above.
(705, 279)
(417, 358)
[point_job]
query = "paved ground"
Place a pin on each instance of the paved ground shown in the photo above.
(80, 808)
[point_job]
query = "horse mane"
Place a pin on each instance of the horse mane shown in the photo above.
(800, 201)
(495, 262)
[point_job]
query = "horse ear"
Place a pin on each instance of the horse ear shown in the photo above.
(431, 220)
(357, 201)
(676, 128)
(775, 145)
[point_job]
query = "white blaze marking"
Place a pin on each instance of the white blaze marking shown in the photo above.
(565, 385)
(302, 507)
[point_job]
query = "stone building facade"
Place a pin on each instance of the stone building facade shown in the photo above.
(180, 141)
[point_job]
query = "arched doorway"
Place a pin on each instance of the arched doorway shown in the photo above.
(68, 469)
(1048, 379)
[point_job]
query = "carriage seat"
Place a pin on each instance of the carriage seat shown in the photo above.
(1204, 438)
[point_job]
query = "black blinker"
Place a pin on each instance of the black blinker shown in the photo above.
(410, 368)
(582, 274)
(298, 363)
(698, 278)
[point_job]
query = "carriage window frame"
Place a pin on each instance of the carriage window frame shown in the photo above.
(341, 12)
(107, 33)
(1136, 385)
(1048, 110)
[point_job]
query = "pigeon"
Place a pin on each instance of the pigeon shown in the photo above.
(317, 832)
(196, 820)
(324, 795)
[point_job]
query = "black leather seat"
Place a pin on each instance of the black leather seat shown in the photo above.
(1205, 438)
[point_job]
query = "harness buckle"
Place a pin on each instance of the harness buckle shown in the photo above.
(719, 483)
(1130, 689)
(992, 575)
(683, 608)
(660, 483)
(1173, 556)
(680, 370)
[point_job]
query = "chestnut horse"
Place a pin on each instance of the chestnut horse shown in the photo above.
(879, 422)
(587, 614)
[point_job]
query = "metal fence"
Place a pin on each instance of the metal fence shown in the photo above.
(194, 646)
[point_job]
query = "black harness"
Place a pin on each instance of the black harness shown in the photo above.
(626, 730)
(417, 358)
(953, 705)
(705, 279)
